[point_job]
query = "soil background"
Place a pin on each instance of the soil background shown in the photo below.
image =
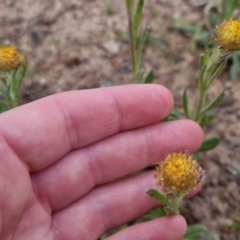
(80, 44)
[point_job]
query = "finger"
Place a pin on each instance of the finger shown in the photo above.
(106, 207)
(42, 132)
(127, 152)
(165, 228)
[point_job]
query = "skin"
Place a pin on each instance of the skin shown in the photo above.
(62, 159)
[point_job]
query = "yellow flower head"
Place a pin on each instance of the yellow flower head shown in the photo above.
(178, 173)
(227, 35)
(10, 58)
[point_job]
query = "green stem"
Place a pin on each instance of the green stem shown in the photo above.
(173, 207)
(133, 42)
(207, 76)
(201, 99)
(14, 81)
(13, 100)
(135, 62)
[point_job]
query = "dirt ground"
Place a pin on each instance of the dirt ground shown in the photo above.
(80, 44)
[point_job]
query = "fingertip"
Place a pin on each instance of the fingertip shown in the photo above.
(180, 220)
(153, 102)
(194, 191)
(197, 130)
(166, 98)
(161, 96)
(167, 228)
(193, 132)
(177, 226)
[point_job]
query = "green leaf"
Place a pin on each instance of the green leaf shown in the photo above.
(3, 107)
(129, 4)
(149, 78)
(145, 37)
(194, 232)
(140, 75)
(207, 49)
(207, 236)
(201, 37)
(228, 8)
(158, 196)
(197, 232)
(186, 105)
(203, 60)
(162, 212)
(141, 41)
(15, 81)
(156, 213)
(234, 71)
(185, 26)
(111, 232)
(137, 18)
(201, 73)
(207, 118)
(215, 72)
(174, 115)
(209, 144)
(214, 104)
(19, 75)
(8, 78)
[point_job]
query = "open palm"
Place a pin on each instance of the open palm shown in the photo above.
(60, 158)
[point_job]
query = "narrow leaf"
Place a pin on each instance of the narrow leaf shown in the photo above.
(214, 104)
(234, 71)
(200, 76)
(186, 105)
(194, 232)
(129, 4)
(16, 81)
(197, 232)
(19, 75)
(140, 75)
(137, 18)
(218, 69)
(158, 196)
(203, 60)
(3, 107)
(111, 232)
(149, 78)
(141, 42)
(209, 144)
(174, 115)
(156, 213)
(206, 50)
(207, 118)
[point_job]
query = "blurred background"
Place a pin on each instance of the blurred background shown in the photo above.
(82, 44)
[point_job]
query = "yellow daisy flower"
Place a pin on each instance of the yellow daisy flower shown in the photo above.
(227, 35)
(10, 58)
(178, 173)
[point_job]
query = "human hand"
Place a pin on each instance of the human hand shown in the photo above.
(61, 155)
